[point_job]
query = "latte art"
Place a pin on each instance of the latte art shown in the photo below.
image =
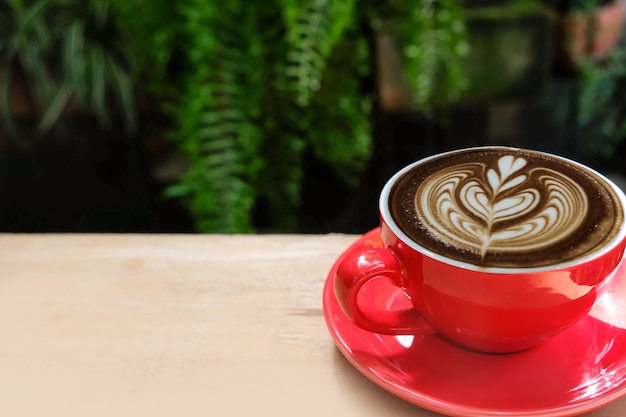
(505, 207)
(484, 208)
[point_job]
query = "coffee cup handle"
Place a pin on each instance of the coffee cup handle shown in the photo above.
(354, 271)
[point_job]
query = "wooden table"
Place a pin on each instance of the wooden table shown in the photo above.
(177, 325)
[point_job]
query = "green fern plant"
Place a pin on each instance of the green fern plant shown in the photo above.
(245, 117)
(322, 110)
(256, 88)
(152, 38)
(314, 28)
(433, 35)
(343, 137)
(215, 115)
(600, 107)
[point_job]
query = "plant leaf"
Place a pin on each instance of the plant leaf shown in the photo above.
(96, 68)
(54, 109)
(312, 33)
(74, 59)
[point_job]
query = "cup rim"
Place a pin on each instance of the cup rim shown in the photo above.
(385, 213)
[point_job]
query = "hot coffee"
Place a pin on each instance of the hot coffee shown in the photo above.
(498, 207)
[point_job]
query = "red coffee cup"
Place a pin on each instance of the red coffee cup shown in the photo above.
(489, 308)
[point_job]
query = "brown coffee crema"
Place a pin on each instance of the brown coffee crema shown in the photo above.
(500, 207)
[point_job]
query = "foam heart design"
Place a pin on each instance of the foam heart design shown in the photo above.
(502, 208)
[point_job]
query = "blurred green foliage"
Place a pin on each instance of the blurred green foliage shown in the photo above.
(600, 108)
(255, 87)
(68, 50)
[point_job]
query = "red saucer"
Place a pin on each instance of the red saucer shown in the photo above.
(580, 370)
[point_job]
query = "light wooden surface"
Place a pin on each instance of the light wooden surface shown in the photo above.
(177, 325)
